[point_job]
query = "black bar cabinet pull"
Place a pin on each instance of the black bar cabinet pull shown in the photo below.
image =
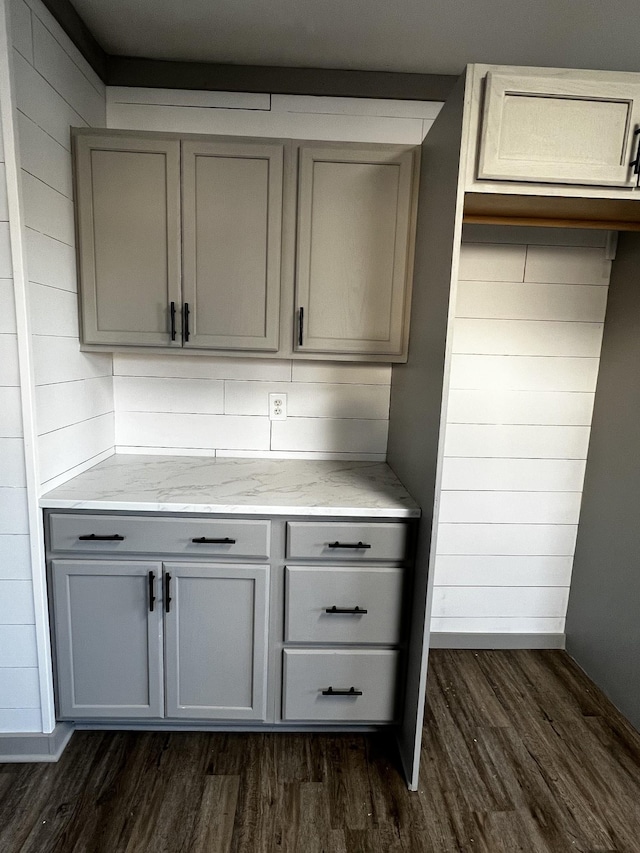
(167, 592)
(92, 537)
(357, 611)
(202, 540)
(353, 545)
(350, 692)
(152, 598)
(185, 317)
(636, 163)
(300, 327)
(172, 312)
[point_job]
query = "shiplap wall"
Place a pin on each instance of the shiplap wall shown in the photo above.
(19, 687)
(213, 405)
(526, 347)
(56, 89)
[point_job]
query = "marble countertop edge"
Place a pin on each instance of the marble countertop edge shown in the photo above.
(230, 509)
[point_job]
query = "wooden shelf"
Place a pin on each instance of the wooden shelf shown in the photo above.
(552, 211)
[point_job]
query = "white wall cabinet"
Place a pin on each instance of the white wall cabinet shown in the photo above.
(189, 243)
(353, 249)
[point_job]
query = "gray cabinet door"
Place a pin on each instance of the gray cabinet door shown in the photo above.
(354, 222)
(107, 639)
(215, 641)
(232, 224)
(128, 222)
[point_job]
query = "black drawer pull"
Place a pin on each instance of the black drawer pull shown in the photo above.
(152, 598)
(92, 537)
(202, 540)
(167, 592)
(357, 611)
(355, 545)
(350, 692)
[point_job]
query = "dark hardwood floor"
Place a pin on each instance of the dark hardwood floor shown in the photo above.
(521, 753)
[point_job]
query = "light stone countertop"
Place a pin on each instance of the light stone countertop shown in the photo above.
(197, 484)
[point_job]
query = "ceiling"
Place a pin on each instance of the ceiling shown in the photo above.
(424, 36)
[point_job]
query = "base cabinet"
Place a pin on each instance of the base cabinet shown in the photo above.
(205, 619)
(154, 640)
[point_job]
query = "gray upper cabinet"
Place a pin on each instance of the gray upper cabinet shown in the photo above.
(216, 641)
(106, 638)
(354, 249)
(232, 224)
(558, 126)
(128, 225)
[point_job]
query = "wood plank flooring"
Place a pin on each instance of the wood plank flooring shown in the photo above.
(521, 753)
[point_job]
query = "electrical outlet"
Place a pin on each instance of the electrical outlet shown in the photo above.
(277, 407)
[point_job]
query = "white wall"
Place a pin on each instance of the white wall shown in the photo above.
(56, 89)
(214, 405)
(45, 88)
(19, 686)
(526, 348)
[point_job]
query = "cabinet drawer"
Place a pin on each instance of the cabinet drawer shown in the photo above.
(334, 541)
(155, 535)
(311, 592)
(309, 675)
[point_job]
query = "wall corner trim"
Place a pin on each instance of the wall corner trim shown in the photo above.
(26, 747)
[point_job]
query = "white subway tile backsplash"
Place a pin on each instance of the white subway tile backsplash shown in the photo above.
(15, 557)
(50, 262)
(520, 407)
(474, 571)
(155, 429)
(60, 360)
(53, 311)
(64, 449)
(529, 602)
(18, 646)
(16, 603)
(19, 687)
(520, 442)
(519, 475)
(570, 265)
(335, 372)
(510, 507)
(66, 403)
(523, 373)
(312, 400)
(150, 394)
(490, 262)
(507, 539)
(518, 301)
(201, 367)
(7, 307)
(527, 337)
(345, 435)
(13, 465)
